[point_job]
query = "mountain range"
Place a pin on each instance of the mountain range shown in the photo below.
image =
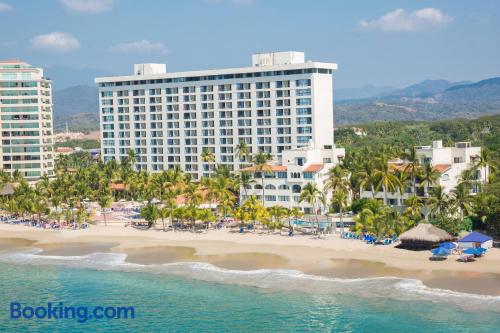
(428, 100)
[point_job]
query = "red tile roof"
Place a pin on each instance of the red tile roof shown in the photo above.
(442, 167)
(314, 168)
(438, 167)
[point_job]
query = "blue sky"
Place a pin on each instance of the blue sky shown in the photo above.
(386, 42)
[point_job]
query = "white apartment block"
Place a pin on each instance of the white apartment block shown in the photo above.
(284, 180)
(26, 120)
(279, 103)
(449, 162)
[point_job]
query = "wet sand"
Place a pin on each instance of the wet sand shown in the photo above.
(15, 243)
(75, 249)
(170, 254)
(468, 282)
(330, 256)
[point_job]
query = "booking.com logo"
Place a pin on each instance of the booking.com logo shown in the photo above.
(59, 311)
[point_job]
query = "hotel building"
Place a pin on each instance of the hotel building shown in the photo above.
(449, 162)
(285, 179)
(279, 103)
(26, 120)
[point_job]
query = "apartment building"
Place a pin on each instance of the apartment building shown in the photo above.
(284, 180)
(279, 103)
(449, 162)
(26, 120)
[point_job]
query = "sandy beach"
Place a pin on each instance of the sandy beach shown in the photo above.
(330, 256)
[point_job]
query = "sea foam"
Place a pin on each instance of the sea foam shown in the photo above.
(402, 289)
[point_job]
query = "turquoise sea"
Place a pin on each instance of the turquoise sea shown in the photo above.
(195, 297)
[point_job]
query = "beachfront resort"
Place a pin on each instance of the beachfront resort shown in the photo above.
(246, 150)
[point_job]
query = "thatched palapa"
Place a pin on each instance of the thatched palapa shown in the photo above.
(424, 236)
(6, 189)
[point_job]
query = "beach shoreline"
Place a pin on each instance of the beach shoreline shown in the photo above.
(329, 256)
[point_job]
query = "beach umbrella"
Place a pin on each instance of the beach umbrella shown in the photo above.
(440, 251)
(448, 245)
(474, 251)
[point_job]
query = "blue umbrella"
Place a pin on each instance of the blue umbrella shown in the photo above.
(474, 251)
(440, 251)
(448, 245)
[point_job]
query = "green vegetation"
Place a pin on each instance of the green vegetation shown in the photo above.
(365, 168)
(82, 143)
(484, 132)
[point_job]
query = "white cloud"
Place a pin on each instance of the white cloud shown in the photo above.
(400, 20)
(87, 6)
(4, 7)
(55, 42)
(143, 46)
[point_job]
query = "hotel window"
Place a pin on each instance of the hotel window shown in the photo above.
(303, 92)
(206, 88)
(282, 84)
(303, 101)
(262, 85)
(263, 94)
(308, 175)
(284, 198)
(107, 94)
(303, 83)
(189, 90)
(243, 86)
(170, 91)
(282, 112)
(304, 120)
(224, 87)
(303, 139)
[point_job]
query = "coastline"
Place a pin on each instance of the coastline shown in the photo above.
(327, 257)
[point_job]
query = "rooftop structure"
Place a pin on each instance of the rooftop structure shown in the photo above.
(279, 103)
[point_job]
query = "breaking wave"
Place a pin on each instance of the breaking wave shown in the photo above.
(402, 289)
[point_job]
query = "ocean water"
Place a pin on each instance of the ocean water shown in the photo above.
(196, 297)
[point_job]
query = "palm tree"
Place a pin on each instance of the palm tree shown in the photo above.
(340, 199)
(385, 178)
(462, 200)
(414, 208)
(485, 161)
(439, 202)
(242, 151)
(207, 157)
(313, 196)
(365, 176)
(413, 168)
(260, 161)
(245, 180)
(428, 177)
(104, 200)
(150, 213)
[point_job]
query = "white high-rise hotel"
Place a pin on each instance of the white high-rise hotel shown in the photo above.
(26, 120)
(281, 102)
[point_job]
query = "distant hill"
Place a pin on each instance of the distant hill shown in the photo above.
(78, 106)
(64, 77)
(422, 89)
(428, 100)
(366, 91)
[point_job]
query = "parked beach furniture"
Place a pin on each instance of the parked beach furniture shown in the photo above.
(476, 239)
